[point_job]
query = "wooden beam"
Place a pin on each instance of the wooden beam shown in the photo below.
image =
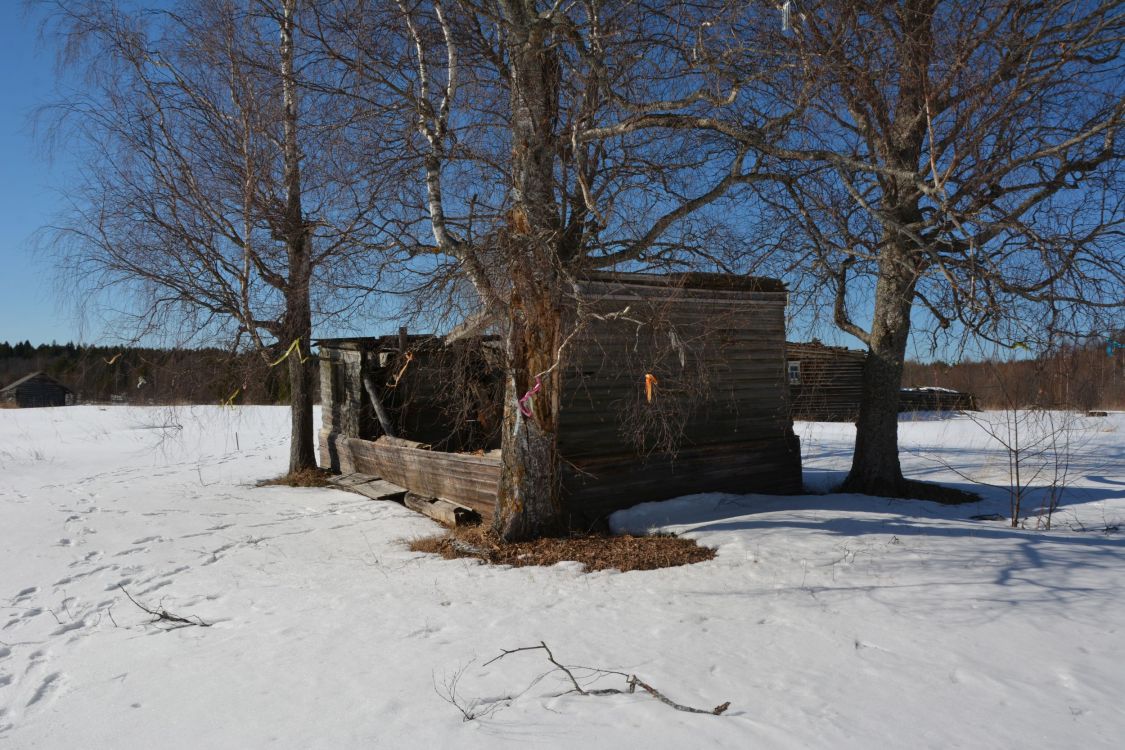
(369, 486)
(441, 510)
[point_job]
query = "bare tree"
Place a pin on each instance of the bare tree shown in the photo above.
(525, 186)
(944, 164)
(969, 171)
(216, 193)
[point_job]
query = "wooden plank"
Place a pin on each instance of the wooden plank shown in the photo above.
(347, 481)
(369, 486)
(380, 490)
(402, 443)
(442, 510)
(463, 478)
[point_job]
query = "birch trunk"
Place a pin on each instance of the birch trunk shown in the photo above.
(298, 317)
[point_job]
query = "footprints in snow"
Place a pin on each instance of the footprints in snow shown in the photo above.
(25, 594)
(37, 686)
(49, 684)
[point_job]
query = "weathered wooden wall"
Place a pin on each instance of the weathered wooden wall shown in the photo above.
(831, 382)
(718, 418)
(342, 405)
(464, 478)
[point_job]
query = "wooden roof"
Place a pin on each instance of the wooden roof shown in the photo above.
(691, 280)
(38, 375)
(816, 347)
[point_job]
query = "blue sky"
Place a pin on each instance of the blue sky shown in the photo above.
(31, 196)
(29, 184)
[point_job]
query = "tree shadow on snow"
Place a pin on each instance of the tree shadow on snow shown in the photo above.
(1046, 566)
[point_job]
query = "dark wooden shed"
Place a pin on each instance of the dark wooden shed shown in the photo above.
(933, 398)
(36, 389)
(671, 384)
(825, 382)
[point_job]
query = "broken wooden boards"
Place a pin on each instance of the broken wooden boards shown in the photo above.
(439, 509)
(368, 486)
(444, 511)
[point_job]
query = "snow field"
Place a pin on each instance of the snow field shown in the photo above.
(830, 621)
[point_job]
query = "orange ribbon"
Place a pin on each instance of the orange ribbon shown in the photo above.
(650, 381)
(394, 382)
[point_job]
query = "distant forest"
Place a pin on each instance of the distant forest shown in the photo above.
(100, 374)
(1089, 375)
(1085, 376)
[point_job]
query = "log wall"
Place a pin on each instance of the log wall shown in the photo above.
(831, 382)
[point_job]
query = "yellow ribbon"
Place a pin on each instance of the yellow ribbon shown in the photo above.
(295, 345)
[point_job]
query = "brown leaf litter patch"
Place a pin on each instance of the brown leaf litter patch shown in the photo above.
(594, 551)
(303, 478)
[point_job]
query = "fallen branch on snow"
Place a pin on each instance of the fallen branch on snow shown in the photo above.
(163, 615)
(632, 682)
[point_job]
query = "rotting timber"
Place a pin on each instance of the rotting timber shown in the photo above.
(671, 385)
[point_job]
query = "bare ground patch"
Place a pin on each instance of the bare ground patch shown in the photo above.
(303, 478)
(594, 551)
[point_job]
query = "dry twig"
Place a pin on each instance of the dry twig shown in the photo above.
(163, 615)
(632, 682)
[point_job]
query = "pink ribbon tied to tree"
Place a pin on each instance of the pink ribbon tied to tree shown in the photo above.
(525, 402)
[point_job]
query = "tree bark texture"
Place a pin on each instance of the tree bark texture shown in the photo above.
(295, 231)
(528, 503)
(875, 463)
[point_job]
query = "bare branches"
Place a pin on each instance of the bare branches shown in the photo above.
(843, 320)
(632, 682)
(475, 708)
(163, 615)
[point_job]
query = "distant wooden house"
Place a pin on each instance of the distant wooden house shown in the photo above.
(825, 382)
(932, 398)
(671, 385)
(36, 389)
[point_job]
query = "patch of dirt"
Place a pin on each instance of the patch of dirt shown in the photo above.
(594, 551)
(303, 478)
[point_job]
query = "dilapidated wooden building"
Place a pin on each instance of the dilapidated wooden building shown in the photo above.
(825, 382)
(671, 384)
(36, 389)
(933, 398)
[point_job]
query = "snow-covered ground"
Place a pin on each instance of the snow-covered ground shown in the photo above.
(828, 621)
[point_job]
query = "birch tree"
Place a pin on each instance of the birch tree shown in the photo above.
(216, 197)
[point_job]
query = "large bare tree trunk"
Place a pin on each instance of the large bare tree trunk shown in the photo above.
(875, 465)
(298, 319)
(528, 503)
(302, 450)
